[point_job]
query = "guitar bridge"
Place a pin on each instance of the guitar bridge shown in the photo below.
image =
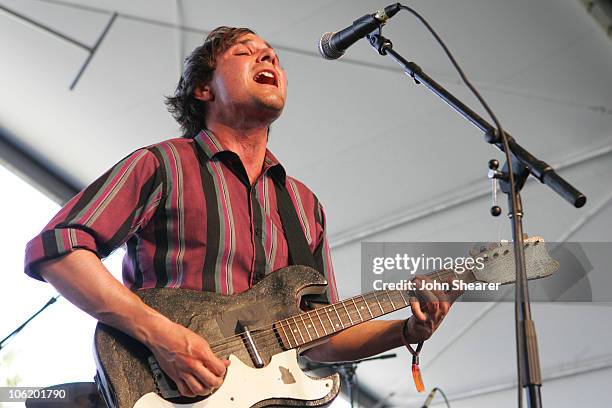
(250, 345)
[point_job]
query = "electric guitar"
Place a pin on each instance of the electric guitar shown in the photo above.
(261, 330)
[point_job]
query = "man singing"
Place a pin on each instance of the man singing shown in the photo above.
(201, 212)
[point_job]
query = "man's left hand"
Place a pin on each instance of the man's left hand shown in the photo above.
(429, 307)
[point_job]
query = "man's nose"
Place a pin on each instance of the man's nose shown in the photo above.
(267, 55)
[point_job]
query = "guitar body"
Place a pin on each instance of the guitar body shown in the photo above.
(126, 377)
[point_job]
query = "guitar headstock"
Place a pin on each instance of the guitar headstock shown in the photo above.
(498, 260)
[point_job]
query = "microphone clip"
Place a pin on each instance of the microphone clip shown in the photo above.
(381, 44)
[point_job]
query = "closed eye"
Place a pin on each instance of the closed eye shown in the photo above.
(242, 50)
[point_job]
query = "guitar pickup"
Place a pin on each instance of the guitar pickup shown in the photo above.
(252, 349)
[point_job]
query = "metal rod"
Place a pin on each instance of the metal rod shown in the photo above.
(538, 168)
(45, 28)
(93, 50)
(24, 324)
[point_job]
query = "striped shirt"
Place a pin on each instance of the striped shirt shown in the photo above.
(189, 217)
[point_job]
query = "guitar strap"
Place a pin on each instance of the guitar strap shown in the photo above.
(299, 252)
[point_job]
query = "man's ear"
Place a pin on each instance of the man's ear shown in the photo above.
(203, 93)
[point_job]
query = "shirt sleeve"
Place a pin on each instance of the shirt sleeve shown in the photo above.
(322, 256)
(104, 215)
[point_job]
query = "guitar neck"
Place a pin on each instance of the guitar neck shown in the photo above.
(309, 327)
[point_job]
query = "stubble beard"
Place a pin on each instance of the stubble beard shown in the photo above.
(269, 107)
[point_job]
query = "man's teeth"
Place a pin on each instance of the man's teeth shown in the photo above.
(269, 77)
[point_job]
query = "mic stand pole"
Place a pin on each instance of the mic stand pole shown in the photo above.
(523, 164)
(348, 369)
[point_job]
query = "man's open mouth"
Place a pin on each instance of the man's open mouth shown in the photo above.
(266, 78)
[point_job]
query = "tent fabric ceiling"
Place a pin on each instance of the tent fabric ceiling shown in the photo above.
(389, 161)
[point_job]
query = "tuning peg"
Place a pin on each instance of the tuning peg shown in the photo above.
(477, 249)
(493, 245)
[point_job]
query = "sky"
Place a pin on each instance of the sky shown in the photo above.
(55, 347)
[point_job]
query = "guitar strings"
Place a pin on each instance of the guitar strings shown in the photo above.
(269, 333)
(267, 340)
(296, 333)
(265, 332)
(284, 323)
(267, 337)
(360, 298)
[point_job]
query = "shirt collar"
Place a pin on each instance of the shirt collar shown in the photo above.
(212, 147)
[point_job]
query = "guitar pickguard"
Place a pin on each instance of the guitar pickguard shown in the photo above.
(245, 387)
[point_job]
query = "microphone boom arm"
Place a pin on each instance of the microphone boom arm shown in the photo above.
(538, 168)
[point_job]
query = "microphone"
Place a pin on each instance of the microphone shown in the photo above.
(430, 398)
(333, 45)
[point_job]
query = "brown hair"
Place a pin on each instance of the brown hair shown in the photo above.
(198, 69)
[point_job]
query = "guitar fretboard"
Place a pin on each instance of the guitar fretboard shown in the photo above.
(311, 326)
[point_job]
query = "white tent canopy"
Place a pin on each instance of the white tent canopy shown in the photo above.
(389, 161)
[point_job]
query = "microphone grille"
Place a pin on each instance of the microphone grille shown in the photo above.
(326, 50)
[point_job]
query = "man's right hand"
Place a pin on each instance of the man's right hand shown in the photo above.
(188, 359)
